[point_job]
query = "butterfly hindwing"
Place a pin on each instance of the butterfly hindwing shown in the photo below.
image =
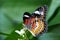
(40, 17)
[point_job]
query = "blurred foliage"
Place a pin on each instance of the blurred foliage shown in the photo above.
(11, 18)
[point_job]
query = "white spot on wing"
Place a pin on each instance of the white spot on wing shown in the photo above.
(26, 16)
(37, 12)
(42, 13)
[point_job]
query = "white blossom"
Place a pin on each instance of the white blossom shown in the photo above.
(21, 32)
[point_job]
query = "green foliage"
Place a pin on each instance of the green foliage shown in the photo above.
(11, 18)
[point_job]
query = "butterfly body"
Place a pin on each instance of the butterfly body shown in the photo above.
(36, 22)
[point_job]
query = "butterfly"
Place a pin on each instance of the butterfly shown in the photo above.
(36, 22)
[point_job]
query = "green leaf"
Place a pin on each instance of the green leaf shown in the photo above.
(2, 37)
(54, 5)
(55, 18)
(5, 25)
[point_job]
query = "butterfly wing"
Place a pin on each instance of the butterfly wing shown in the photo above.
(26, 19)
(39, 23)
(36, 22)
